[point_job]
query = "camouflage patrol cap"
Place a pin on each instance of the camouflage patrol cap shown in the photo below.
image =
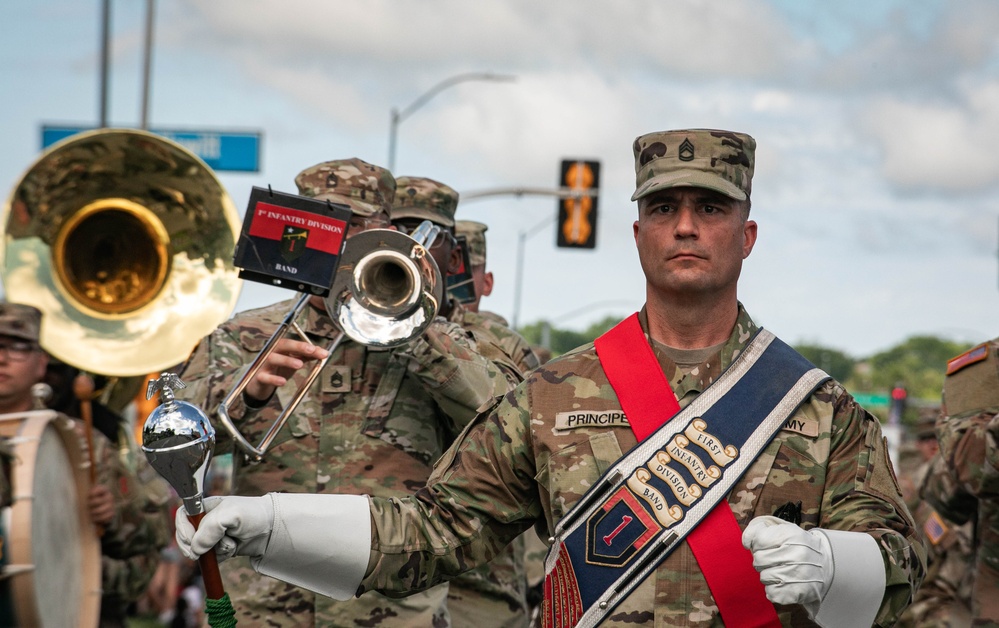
(366, 188)
(926, 425)
(419, 197)
(718, 160)
(20, 321)
(475, 236)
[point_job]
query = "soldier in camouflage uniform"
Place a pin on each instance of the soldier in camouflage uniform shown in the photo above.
(475, 237)
(373, 423)
(534, 548)
(964, 482)
(944, 599)
(521, 463)
(491, 595)
(134, 524)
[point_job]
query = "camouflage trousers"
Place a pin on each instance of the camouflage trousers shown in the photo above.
(263, 601)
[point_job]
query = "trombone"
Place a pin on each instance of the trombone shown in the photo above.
(386, 291)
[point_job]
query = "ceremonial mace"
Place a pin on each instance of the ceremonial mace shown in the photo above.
(179, 441)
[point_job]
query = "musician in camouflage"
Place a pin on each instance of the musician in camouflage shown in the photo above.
(964, 482)
(129, 509)
(494, 594)
(944, 598)
(474, 233)
(525, 461)
(373, 423)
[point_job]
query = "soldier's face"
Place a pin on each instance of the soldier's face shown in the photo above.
(691, 242)
(19, 372)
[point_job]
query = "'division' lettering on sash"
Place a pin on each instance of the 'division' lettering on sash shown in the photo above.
(721, 454)
(703, 475)
(666, 515)
(687, 494)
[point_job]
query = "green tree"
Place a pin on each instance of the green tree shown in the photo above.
(562, 340)
(832, 361)
(919, 363)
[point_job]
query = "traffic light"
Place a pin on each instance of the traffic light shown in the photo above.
(896, 407)
(577, 216)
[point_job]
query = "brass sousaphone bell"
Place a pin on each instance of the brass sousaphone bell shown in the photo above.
(124, 240)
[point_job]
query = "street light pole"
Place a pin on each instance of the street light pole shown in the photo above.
(521, 240)
(397, 116)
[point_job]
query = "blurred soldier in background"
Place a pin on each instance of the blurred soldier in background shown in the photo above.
(514, 343)
(492, 595)
(963, 485)
(944, 598)
(129, 509)
(374, 422)
(475, 237)
(535, 548)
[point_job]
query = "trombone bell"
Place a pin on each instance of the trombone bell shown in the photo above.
(387, 289)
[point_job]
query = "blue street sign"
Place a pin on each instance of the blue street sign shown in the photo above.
(221, 150)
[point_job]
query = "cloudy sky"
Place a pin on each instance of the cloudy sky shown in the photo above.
(877, 179)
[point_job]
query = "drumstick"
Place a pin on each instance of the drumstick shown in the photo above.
(209, 565)
(83, 388)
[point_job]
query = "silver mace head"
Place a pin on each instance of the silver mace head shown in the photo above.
(179, 440)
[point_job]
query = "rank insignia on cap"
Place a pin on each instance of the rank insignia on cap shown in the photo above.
(686, 151)
(969, 357)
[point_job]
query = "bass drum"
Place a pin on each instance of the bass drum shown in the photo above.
(51, 554)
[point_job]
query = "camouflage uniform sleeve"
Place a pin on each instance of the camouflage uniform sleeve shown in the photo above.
(123, 581)
(862, 495)
(968, 447)
(454, 373)
(141, 521)
(943, 491)
(210, 373)
(481, 495)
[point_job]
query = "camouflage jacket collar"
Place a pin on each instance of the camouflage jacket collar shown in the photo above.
(701, 376)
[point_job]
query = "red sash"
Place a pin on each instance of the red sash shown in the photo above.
(645, 393)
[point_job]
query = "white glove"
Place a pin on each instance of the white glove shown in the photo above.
(795, 566)
(838, 577)
(232, 525)
(318, 542)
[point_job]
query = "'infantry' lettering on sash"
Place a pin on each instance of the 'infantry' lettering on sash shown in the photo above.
(721, 454)
(660, 466)
(588, 418)
(638, 483)
(677, 449)
(808, 427)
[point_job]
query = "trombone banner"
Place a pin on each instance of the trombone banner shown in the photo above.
(291, 241)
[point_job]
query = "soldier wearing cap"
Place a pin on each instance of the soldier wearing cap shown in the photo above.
(372, 424)
(528, 459)
(963, 484)
(944, 598)
(130, 512)
(492, 594)
(475, 238)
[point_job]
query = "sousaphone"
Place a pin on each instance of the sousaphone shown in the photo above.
(124, 240)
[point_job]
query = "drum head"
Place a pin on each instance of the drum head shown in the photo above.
(53, 570)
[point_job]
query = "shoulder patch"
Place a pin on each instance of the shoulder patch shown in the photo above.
(934, 528)
(970, 356)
